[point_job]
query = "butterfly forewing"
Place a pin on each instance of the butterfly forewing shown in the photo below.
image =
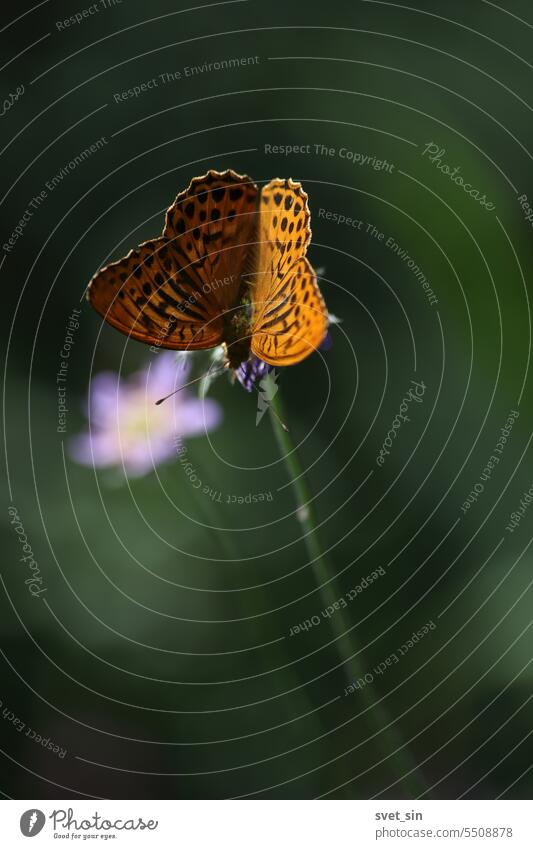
(212, 225)
(173, 291)
(283, 234)
(289, 314)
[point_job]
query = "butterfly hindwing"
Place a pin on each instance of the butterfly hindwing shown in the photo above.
(148, 296)
(293, 321)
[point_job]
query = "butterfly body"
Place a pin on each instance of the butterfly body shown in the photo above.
(237, 340)
(229, 269)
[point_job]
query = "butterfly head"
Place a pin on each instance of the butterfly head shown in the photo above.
(237, 352)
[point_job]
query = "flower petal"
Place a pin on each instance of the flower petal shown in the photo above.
(251, 372)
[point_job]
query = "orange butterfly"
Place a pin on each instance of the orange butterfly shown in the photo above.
(230, 268)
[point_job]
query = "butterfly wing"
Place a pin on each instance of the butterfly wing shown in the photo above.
(289, 315)
(283, 233)
(212, 225)
(148, 296)
(173, 291)
(295, 321)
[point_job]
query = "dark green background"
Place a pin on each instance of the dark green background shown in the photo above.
(163, 655)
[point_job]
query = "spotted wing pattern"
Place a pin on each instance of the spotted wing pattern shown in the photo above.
(283, 234)
(212, 226)
(147, 296)
(289, 315)
(172, 291)
(296, 321)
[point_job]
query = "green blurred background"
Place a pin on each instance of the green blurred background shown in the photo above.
(161, 661)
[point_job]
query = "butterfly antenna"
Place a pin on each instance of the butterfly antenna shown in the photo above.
(284, 426)
(190, 383)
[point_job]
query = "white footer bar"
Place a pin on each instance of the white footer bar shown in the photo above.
(269, 824)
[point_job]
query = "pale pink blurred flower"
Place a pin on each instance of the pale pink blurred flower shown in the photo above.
(128, 430)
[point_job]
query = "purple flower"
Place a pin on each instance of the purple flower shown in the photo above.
(327, 342)
(127, 429)
(251, 372)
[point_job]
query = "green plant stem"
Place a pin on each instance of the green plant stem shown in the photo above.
(385, 729)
